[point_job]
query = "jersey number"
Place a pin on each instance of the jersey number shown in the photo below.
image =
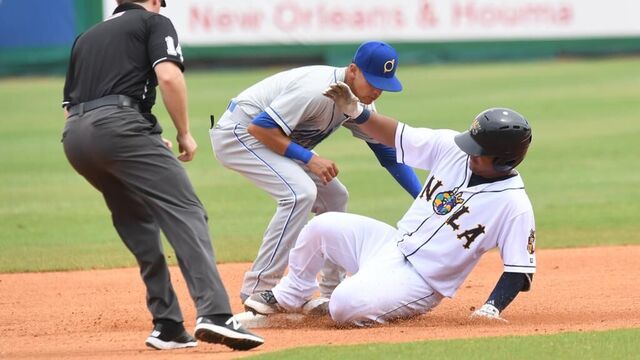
(172, 49)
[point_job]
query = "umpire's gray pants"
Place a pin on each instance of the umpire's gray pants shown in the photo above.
(147, 190)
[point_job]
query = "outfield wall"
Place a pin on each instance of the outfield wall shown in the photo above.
(36, 35)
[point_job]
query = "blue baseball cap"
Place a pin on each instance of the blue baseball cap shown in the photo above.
(378, 62)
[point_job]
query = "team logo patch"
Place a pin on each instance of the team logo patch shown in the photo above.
(531, 242)
(475, 127)
(445, 201)
(389, 65)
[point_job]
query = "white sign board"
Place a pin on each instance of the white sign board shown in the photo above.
(245, 22)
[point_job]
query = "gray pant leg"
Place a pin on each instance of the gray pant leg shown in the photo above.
(141, 234)
(286, 182)
(183, 220)
(146, 188)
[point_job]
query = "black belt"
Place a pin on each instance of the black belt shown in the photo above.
(119, 100)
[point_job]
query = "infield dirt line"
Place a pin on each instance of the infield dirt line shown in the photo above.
(101, 314)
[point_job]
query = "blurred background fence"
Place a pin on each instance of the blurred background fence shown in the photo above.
(36, 35)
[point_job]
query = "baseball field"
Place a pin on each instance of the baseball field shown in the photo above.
(70, 289)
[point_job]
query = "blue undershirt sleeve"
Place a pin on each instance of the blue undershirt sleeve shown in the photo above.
(294, 150)
(265, 121)
(508, 287)
(404, 175)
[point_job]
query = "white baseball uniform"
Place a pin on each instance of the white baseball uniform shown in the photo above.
(405, 271)
(294, 100)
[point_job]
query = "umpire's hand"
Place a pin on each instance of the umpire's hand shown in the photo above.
(187, 147)
(167, 143)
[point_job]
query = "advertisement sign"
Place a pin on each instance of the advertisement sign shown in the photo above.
(245, 22)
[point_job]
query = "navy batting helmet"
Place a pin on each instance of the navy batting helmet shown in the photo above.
(498, 132)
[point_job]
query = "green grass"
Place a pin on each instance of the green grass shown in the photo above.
(610, 345)
(580, 173)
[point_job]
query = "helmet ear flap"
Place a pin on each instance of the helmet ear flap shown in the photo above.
(504, 165)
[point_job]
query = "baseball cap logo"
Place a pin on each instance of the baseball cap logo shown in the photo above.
(475, 127)
(389, 65)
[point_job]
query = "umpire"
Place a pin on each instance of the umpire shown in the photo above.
(112, 139)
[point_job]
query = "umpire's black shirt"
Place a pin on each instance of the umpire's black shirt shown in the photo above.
(117, 56)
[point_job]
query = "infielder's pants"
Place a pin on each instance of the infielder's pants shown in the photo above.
(297, 193)
(147, 190)
(384, 285)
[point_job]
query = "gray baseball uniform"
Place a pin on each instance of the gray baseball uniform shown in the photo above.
(294, 100)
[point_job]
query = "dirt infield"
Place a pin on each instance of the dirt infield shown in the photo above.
(101, 314)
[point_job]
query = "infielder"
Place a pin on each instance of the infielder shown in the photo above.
(473, 200)
(268, 132)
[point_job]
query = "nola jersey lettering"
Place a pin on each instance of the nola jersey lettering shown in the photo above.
(443, 203)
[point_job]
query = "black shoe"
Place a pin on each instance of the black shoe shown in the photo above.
(229, 333)
(170, 335)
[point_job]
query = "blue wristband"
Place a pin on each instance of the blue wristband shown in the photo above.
(297, 152)
(363, 117)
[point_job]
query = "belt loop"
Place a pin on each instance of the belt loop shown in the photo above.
(121, 100)
(80, 109)
(232, 106)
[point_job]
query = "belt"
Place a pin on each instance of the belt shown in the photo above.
(119, 100)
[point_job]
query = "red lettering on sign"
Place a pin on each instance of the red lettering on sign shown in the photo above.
(427, 15)
(207, 19)
(290, 17)
(503, 14)
(378, 17)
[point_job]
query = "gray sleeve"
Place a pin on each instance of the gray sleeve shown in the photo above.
(356, 132)
(292, 106)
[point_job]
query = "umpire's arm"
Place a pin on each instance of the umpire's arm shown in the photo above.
(174, 95)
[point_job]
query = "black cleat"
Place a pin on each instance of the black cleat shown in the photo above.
(229, 333)
(169, 335)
